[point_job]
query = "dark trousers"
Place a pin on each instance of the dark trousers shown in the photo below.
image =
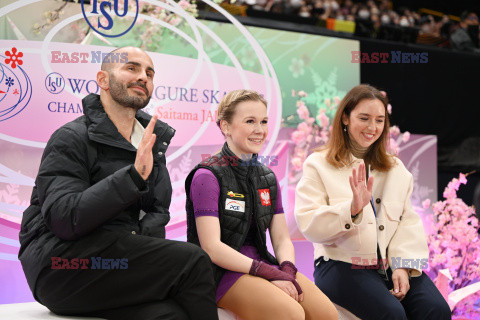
(364, 293)
(164, 279)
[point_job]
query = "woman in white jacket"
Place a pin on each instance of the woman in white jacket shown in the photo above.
(353, 203)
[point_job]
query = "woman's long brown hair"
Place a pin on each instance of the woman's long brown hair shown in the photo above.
(338, 153)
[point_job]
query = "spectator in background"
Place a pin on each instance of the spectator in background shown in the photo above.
(460, 38)
(430, 31)
(376, 21)
(363, 13)
(364, 24)
(318, 10)
(446, 27)
(373, 7)
(427, 25)
(304, 11)
(294, 6)
(385, 18)
(272, 6)
(473, 28)
(395, 17)
(258, 4)
(371, 16)
(347, 7)
(384, 5)
(403, 22)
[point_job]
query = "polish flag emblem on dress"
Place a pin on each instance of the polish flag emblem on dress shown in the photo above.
(264, 196)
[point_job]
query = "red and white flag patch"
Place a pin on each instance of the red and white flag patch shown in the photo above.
(265, 196)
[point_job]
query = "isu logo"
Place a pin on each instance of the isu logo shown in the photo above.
(264, 196)
(105, 19)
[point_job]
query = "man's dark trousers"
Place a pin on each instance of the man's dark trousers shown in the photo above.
(164, 279)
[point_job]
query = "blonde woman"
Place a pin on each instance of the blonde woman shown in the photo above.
(232, 199)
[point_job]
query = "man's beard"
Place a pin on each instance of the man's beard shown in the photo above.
(119, 94)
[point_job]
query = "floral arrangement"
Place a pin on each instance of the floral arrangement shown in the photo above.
(50, 18)
(454, 245)
(152, 33)
(312, 130)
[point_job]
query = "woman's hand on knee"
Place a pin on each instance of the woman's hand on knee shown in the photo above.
(401, 283)
(288, 288)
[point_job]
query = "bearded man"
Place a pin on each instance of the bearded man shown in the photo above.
(93, 238)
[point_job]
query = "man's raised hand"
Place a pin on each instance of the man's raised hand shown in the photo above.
(144, 160)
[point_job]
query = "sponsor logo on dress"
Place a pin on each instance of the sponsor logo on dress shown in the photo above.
(235, 205)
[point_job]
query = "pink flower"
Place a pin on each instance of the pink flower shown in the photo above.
(454, 184)
(438, 207)
(297, 163)
(300, 103)
(462, 178)
(389, 108)
(304, 127)
(323, 119)
(384, 93)
(426, 203)
(336, 100)
(298, 136)
(293, 93)
(328, 102)
(406, 136)
(184, 4)
(310, 121)
(393, 146)
(175, 21)
(324, 134)
(303, 112)
(302, 93)
(449, 193)
(394, 130)
(301, 153)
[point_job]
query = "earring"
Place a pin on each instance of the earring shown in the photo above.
(345, 128)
